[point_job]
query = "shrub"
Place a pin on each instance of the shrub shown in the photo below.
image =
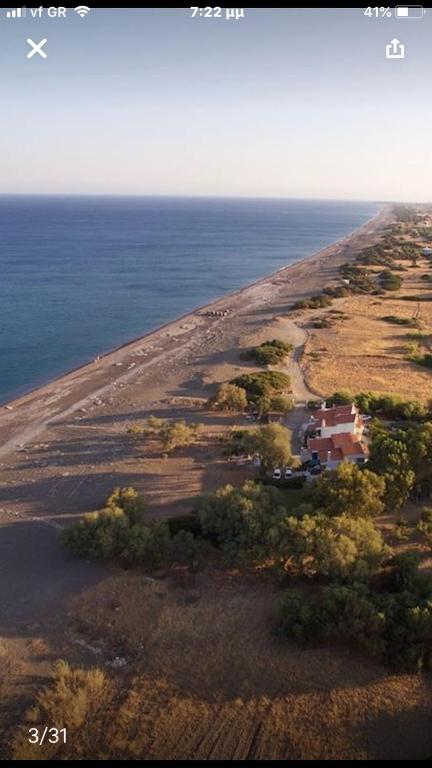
(282, 404)
(119, 532)
(408, 321)
(314, 302)
(395, 626)
(389, 281)
(268, 353)
(178, 434)
(261, 387)
(298, 616)
(426, 515)
(75, 698)
(136, 431)
(230, 397)
(423, 360)
(323, 322)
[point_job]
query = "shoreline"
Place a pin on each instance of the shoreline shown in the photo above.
(136, 375)
(384, 208)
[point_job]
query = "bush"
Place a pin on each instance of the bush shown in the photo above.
(395, 627)
(230, 397)
(389, 281)
(262, 387)
(75, 698)
(178, 434)
(426, 515)
(323, 322)
(298, 616)
(268, 353)
(359, 279)
(423, 360)
(408, 321)
(282, 404)
(136, 431)
(119, 532)
(314, 302)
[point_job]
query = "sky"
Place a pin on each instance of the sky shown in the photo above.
(295, 103)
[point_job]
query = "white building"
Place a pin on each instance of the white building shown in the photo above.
(341, 419)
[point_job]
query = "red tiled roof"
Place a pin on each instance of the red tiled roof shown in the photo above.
(341, 414)
(339, 446)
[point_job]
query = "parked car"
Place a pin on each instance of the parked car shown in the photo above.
(277, 474)
(288, 473)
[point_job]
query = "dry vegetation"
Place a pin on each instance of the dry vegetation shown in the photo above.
(207, 679)
(360, 351)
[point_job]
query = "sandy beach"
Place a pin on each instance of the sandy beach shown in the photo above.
(160, 361)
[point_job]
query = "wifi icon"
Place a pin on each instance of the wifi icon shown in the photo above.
(82, 10)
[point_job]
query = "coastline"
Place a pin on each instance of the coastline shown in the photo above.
(187, 336)
(384, 207)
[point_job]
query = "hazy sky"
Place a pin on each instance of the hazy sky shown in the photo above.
(287, 102)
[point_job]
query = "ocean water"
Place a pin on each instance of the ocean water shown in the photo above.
(79, 276)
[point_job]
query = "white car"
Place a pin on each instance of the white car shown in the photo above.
(288, 473)
(277, 474)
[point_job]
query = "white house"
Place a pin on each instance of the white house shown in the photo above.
(329, 452)
(341, 419)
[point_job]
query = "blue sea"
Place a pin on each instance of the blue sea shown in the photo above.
(81, 275)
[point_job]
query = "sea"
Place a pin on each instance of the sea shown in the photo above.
(80, 276)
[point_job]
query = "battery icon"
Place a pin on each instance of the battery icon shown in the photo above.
(409, 11)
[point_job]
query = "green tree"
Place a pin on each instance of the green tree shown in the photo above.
(389, 458)
(349, 490)
(321, 546)
(272, 443)
(238, 519)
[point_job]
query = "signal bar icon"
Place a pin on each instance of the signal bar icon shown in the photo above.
(16, 13)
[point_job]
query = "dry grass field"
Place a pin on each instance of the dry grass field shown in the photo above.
(362, 352)
(207, 679)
